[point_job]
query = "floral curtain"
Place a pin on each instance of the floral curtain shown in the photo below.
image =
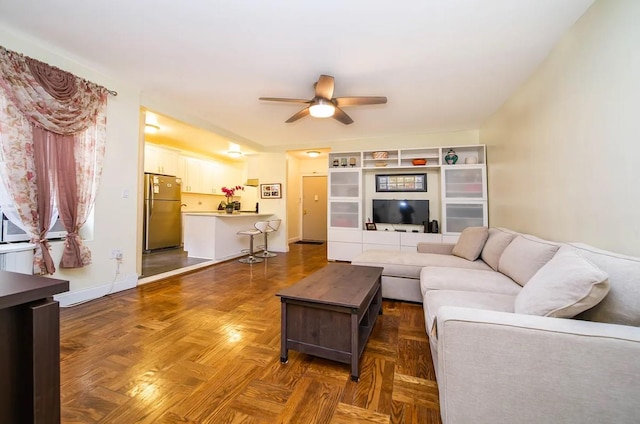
(52, 141)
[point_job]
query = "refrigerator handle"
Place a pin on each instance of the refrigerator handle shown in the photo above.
(150, 187)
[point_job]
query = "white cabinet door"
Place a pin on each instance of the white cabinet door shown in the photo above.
(343, 245)
(464, 182)
(459, 215)
(192, 175)
(207, 177)
(464, 195)
(344, 214)
(345, 183)
(160, 161)
(152, 160)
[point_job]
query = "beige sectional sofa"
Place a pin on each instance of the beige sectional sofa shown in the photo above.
(524, 330)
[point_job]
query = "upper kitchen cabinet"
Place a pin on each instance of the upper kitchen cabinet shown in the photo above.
(160, 160)
(207, 176)
(191, 170)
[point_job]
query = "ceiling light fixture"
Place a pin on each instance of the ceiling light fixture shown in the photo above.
(151, 128)
(322, 108)
(313, 153)
(234, 150)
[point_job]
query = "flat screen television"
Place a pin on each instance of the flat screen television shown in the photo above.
(400, 211)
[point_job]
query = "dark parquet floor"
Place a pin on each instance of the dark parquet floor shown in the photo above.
(204, 347)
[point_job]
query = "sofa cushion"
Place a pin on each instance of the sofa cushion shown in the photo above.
(434, 299)
(470, 243)
(622, 304)
(497, 241)
(524, 256)
(409, 264)
(565, 286)
(475, 280)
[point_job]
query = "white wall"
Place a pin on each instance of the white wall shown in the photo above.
(115, 217)
(271, 168)
(564, 151)
(294, 199)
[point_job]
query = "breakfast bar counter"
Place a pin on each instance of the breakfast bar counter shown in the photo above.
(212, 235)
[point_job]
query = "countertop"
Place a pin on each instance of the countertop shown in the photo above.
(223, 214)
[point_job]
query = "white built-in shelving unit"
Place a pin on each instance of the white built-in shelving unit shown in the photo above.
(462, 200)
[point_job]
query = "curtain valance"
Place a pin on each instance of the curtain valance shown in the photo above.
(52, 142)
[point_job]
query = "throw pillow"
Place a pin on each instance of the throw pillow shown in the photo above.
(524, 256)
(470, 243)
(567, 285)
(496, 243)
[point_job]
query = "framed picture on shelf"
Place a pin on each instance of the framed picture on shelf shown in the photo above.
(270, 191)
(370, 226)
(401, 182)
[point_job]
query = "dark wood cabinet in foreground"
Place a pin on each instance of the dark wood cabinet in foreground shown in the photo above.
(29, 348)
(331, 313)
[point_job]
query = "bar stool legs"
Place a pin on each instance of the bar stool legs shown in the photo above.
(260, 228)
(272, 226)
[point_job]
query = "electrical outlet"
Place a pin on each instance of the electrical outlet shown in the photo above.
(116, 254)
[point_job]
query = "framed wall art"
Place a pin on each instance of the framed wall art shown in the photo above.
(270, 191)
(401, 182)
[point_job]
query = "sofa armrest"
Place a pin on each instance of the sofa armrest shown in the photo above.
(496, 367)
(439, 248)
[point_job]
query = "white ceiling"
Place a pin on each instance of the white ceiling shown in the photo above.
(443, 64)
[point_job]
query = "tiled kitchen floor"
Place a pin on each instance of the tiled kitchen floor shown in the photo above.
(165, 260)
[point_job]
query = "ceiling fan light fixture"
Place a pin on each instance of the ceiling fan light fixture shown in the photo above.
(234, 153)
(322, 108)
(313, 153)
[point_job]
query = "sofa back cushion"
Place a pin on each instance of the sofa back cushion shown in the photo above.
(497, 241)
(565, 286)
(622, 304)
(524, 256)
(470, 243)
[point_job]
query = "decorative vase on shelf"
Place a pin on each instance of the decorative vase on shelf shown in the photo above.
(451, 158)
(229, 208)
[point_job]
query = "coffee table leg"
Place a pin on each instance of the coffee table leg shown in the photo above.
(284, 352)
(355, 357)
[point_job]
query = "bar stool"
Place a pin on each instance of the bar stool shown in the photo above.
(260, 228)
(273, 226)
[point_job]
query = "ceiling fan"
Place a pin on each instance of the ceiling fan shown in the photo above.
(324, 105)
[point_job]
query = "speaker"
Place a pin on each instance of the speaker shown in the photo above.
(426, 226)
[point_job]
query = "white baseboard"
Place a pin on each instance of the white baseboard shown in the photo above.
(71, 298)
(178, 271)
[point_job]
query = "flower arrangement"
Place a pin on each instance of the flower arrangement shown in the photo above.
(229, 192)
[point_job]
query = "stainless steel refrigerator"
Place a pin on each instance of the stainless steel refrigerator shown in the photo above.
(162, 216)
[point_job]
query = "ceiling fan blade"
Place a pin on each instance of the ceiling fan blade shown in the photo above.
(342, 117)
(357, 101)
(304, 112)
(280, 99)
(324, 87)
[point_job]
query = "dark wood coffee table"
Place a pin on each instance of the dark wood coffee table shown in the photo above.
(331, 313)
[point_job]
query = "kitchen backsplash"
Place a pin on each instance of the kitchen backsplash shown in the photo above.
(201, 202)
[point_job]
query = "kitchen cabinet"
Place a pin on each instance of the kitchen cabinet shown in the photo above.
(160, 160)
(197, 175)
(207, 176)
